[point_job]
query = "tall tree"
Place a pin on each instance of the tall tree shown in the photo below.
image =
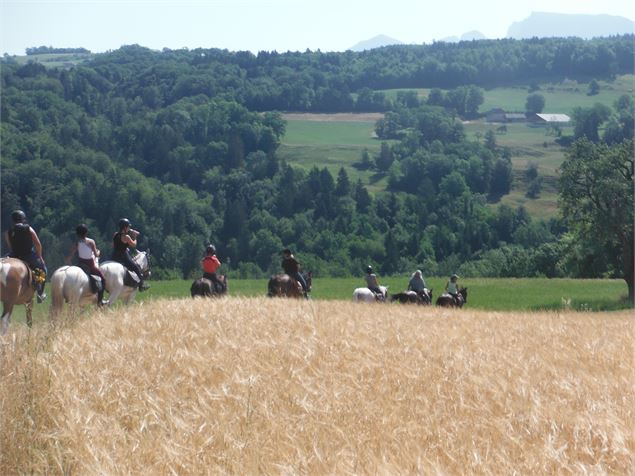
(596, 196)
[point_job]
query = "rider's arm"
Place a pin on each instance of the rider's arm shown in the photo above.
(36, 243)
(127, 239)
(93, 246)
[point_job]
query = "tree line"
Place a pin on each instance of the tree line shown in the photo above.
(184, 144)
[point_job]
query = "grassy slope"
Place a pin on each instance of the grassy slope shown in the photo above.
(331, 144)
(336, 144)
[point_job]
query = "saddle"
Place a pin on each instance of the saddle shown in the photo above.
(96, 285)
(131, 279)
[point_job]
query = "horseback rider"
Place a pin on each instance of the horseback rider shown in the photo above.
(122, 241)
(373, 283)
(418, 285)
(210, 263)
(87, 255)
(291, 266)
(25, 245)
(452, 288)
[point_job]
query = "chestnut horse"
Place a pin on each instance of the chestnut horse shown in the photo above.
(446, 300)
(205, 287)
(16, 287)
(283, 285)
(413, 297)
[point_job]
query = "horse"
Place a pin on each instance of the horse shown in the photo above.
(366, 295)
(413, 297)
(71, 284)
(447, 300)
(16, 287)
(205, 287)
(283, 285)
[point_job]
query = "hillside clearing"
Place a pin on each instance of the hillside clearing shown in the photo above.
(253, 386)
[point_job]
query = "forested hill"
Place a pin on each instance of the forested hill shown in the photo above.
(184, 144)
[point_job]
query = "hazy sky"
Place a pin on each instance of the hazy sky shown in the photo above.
(282, 25)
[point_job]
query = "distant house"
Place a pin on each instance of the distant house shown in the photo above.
(495, 115)
(499, 115)
(551, 119)
(515, 117)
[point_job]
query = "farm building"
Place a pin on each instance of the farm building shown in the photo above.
(551, 119)
(499, 115)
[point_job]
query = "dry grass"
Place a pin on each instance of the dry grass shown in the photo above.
(257, 386)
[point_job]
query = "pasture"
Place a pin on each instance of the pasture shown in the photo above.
(332, 141)
(269, 386)
(494, 294)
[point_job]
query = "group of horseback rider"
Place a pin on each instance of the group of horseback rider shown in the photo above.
(23, 243)
(416, 284)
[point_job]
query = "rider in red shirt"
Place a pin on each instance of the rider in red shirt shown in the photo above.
(210, 264)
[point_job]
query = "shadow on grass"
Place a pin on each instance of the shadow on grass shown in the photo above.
(591, 305)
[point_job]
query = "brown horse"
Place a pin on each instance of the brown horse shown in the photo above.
(413, 297)
(447, 300)
(16, 287)
(283, 285)
(205, 287)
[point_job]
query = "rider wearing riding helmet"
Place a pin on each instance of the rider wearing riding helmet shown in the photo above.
(373, 283)
(24, 244)
(87, 254)
(210, 263)
(122, 241)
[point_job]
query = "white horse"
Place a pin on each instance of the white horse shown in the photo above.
(71, 284)
(366, 295)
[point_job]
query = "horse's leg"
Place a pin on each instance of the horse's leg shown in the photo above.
(6, 318)
(29, 313)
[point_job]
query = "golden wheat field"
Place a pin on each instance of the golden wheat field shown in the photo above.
(268, 386)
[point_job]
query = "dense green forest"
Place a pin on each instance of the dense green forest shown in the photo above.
(183, 143)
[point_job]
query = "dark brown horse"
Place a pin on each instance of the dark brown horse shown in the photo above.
(413, 297)
(283, 285)
(205, 287)
(16, 287)
(447, 300)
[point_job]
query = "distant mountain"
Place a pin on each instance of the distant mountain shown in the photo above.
(545, 25)
(375, 42)
(469, 36)
(473, 35)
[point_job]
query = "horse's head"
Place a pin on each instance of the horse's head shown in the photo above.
(308, 279)
(142, 258)
(463, 292)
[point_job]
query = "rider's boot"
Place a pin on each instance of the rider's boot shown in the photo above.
(41, 295)
(100, 298)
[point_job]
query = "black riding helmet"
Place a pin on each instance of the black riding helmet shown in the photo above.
(18, 216)
(210, 249)
(124, 222)
(369, 269)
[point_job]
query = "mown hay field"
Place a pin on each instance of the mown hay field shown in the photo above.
(272, 386)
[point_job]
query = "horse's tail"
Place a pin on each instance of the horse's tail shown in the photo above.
(57, 291)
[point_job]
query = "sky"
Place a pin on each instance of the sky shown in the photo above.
(281, 25)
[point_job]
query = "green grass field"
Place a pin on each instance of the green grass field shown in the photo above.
(495, 294)
(335, 143)
(332, 144)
